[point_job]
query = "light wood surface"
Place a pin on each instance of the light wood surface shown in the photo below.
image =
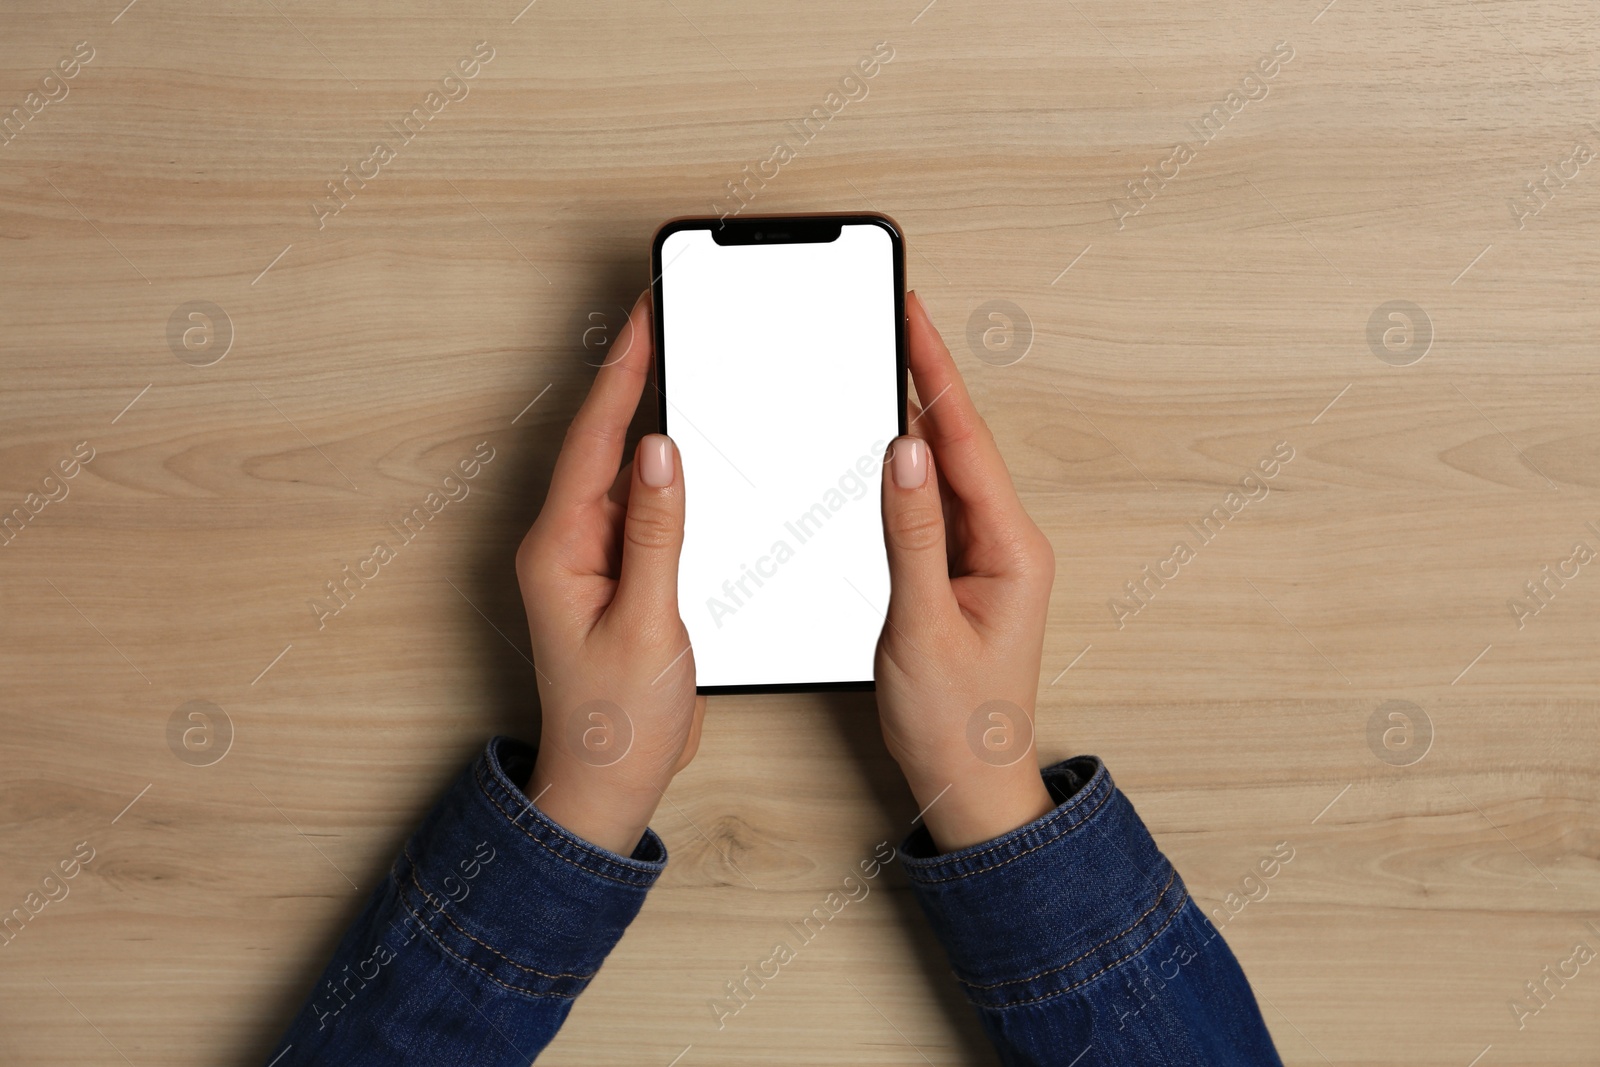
(451, 291)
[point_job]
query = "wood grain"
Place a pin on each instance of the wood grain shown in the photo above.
(1168, 356)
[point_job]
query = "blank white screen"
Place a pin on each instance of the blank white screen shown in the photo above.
(782, 394)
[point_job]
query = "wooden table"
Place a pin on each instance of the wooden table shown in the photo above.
(267, 373)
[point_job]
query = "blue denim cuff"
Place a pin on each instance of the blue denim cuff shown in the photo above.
(506, 891)
(1055, 904)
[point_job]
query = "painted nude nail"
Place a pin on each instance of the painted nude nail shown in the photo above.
(910, 462)
(656, 460)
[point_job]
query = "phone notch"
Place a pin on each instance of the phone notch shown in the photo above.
(778, 231)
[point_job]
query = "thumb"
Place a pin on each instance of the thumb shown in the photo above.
(652, 533)
(913, 531)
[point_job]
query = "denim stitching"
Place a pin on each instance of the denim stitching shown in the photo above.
(1172, 876)
(924, 879)
(1114, 963)
(445, 915)
(477, 966)
(483, 787)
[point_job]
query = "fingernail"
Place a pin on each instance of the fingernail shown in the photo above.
(910, 462)
(655, 460)
(915, 306)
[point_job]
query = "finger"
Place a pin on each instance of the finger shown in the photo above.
(652, 534)
(968, 457)
(592, 450)
(913, 532)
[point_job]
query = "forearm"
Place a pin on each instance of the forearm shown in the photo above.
(1073, 935)
(490, 923)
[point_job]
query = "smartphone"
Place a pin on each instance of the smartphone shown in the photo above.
(781, 376)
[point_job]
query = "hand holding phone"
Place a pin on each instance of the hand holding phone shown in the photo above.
(599, 578)
(958, 663)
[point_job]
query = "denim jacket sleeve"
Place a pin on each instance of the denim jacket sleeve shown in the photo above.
(1078, 943)
(490, 922)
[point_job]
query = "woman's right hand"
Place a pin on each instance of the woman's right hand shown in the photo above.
(599, 578)
(958, 663)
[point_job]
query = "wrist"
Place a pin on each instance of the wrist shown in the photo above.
(586, 802)
(968, 805)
